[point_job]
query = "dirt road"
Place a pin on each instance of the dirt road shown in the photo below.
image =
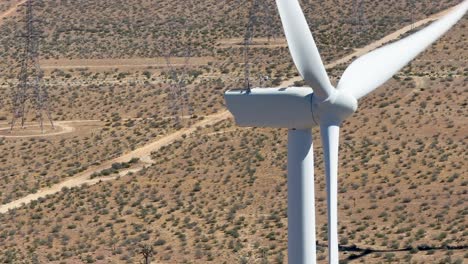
(419, 83)
(132, 63)
(11, 11)
(144, 152)
(62, 127)
(256, 43)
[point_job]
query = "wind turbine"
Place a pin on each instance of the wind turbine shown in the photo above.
(300, 109)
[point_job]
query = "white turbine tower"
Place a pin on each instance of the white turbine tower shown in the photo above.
(300, 109)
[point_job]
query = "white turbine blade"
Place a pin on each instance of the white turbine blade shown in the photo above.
(330, 138)
(373, 69)
(303, 49)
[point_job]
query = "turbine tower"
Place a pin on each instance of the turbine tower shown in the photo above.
(321, 104)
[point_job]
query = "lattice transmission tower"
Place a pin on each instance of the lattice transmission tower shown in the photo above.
(260, 13)
(256, 7)
(248, 40)
(412, 6)
(30, 92)
(359, 19)
(180, 105)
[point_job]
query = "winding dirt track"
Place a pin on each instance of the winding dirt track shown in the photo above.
(133, 63)
(11, 11)
(144, 152)
(65, 128)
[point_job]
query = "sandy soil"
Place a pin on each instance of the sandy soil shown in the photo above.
(32, 130)
(134, 63)
(256, 43)
(11, 11)
(420, 83)
(144, 152)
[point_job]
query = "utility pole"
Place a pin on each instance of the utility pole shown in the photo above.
(30, 90)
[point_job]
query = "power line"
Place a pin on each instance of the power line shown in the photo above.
(411, 7)
(179, 98)
(255, 9)
(30, 92)
(359, 19)
(248, 40)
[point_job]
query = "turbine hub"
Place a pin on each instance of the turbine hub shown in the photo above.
(339, 106)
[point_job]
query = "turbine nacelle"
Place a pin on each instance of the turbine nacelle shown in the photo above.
(272, 107)
(292, 107)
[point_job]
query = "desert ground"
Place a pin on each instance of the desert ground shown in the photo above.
(123, 168)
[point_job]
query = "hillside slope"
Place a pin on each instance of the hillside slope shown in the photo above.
(219, 195)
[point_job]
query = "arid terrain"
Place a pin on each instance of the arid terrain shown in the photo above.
(124, 168)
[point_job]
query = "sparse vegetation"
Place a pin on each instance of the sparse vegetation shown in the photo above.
(218, 195)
